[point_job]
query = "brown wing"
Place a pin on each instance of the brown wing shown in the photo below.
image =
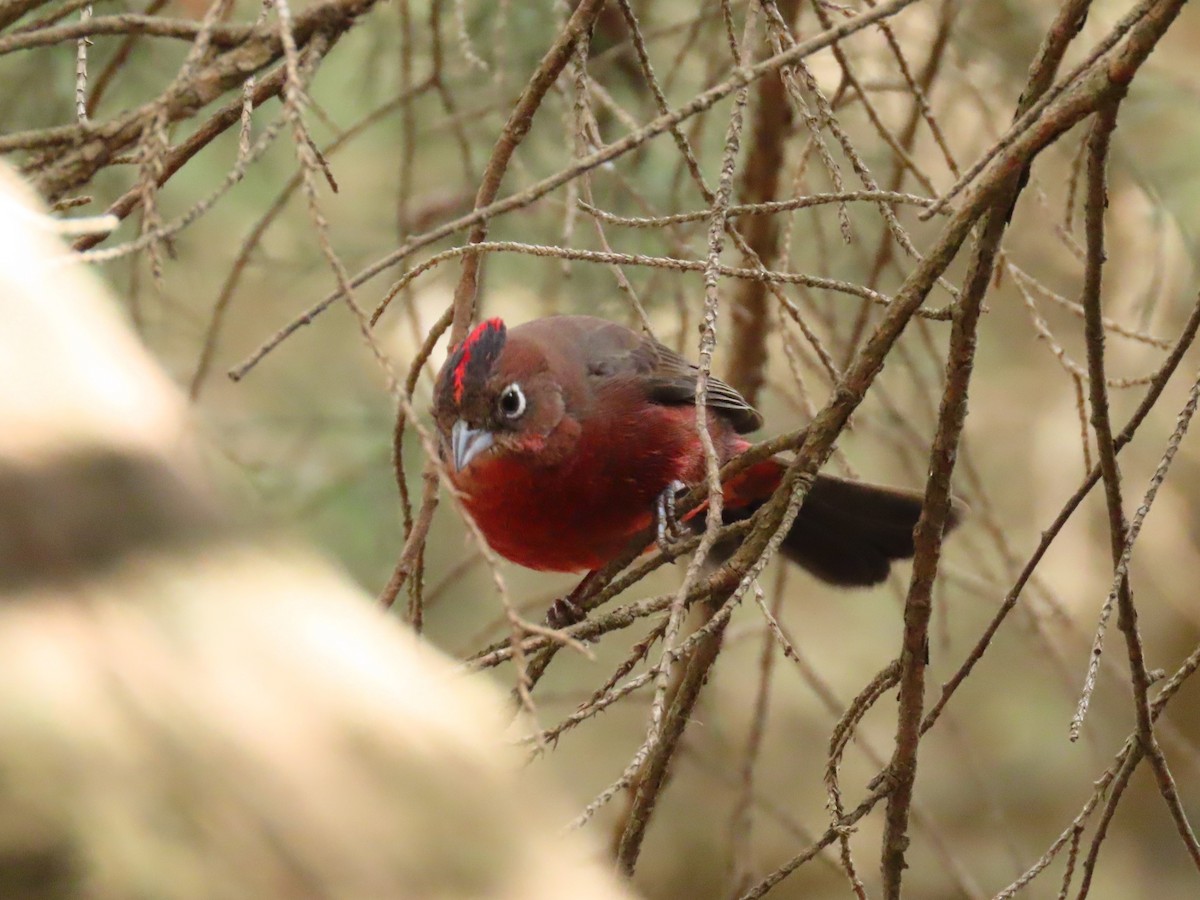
(610, 350)
(672, 380)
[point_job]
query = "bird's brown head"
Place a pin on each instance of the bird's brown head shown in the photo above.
(496, 395)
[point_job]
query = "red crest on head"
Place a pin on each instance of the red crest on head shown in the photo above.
(476, 355)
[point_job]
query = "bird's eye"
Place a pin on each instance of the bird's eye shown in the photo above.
(512, 401)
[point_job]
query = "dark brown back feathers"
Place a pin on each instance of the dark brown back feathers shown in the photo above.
(609, 350)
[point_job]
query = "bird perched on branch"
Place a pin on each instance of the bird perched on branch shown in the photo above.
(566, 434)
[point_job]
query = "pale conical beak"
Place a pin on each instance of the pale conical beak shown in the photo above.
(466, 443)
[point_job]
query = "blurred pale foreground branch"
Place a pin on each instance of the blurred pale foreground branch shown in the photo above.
(188, 710)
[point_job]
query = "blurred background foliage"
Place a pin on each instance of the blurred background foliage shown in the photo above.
(307, 435)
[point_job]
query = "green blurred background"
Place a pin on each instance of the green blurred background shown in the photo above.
(305, 439)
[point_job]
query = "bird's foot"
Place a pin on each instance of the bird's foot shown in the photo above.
(563, 613)
(567, 611)
(669, 530)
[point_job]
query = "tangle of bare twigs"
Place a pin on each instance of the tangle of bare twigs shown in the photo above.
(767, 147)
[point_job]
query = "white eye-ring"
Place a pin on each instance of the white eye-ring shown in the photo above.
(512, 401)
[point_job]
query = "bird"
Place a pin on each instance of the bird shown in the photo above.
(567, 435)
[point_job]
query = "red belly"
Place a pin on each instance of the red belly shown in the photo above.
(576, 515)
(562, 519)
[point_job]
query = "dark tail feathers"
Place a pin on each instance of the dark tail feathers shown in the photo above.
(849, 532)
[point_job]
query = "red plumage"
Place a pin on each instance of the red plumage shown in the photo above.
(562, 433)
(476, 336)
